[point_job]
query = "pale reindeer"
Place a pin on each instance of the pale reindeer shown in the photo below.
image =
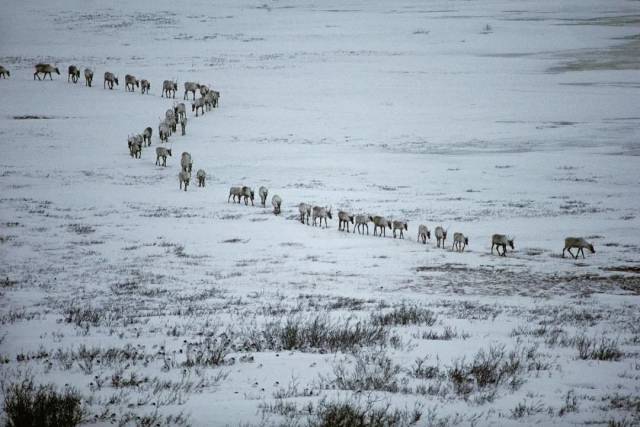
(73, 74)
(130, 81)
(162, 153)
(145, 86)
(45, 69)
(423, 234)
(190, 87)
(146, 135)
(185, 162)
(382, 223)
(248, 195)
(198, 104)
(305, 212)
(441, 236)
(263, 192)
(362, 221)
(321, 213)
(276, 201)
(460, 241)
(169, 88)
(235, 192)
(344, 218)
(202, 176)
(88, 77)
(180, 110)
(109, 79)
(577, 243)
(400, 225)
(184, 177)
(501, 241)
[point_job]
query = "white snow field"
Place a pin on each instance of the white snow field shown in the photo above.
(164, 307)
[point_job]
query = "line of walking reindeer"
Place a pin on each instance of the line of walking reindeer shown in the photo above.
(361, 222)
(209, 99)
(168, 126)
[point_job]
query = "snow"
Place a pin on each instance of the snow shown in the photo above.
(484, 117)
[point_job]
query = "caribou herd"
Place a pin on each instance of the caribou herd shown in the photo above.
(207, 100)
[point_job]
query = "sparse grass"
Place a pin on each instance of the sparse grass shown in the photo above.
(330, 414)
(81, 228)
(372, 371)
(405, 315)
(26, 404)
(319, 333)
(491, 368)
(604, 349)
(447, 334)
(525, 408)
(207, 353)
(570, 404)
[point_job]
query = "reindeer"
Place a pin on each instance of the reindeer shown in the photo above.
(441, 236)
(380, 222)
(130, 81)
(163, 132)
(201, 175)
(190, 87)
(400, 225)
(169, 87)
(184, 177)
(185, 162)
(74, 74)
(110, 79)
(180, 110)
(146, 136)
(501, 241)
(162, 153)
(322, 213)
(305, 211)
(263, 192)
(88, 76)
(145, 86)
(45, 69)
(198, 104)
(423, 234)
(276, 201)
(344, 218)
(236, 193)
(4, 73)
(247, 194)
(460, 241)
(362, 221)
(577, 242)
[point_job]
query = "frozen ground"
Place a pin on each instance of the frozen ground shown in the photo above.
(494, 116)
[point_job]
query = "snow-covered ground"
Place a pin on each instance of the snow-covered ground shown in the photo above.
(483, 117)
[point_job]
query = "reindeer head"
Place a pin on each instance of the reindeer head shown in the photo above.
(389, 225)
(57, 71)
(351, 218)
(466, 240)
(510, 242)
(428, 234)
(328, 210)
(593, 251)
(169, 152)
(406, 226)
